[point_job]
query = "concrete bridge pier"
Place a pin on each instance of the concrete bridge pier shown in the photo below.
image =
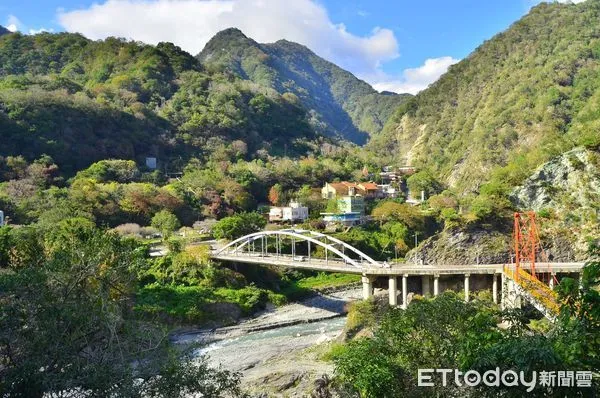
(436, 284)
(426, 288)
(367, 282)
(393, 290)
(467, 287)
(495, 288)
(551, 281)
(404, 291)
(510, 294)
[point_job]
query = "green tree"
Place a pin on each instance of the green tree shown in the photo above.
(238, 225)
(332, 206)
(490, 208)
(436, 333)
(6, 244)
(369, 367)
(580, 316)
(166, 222)
(67, 325)
(401, 212)
(423, 181)
(111, 170)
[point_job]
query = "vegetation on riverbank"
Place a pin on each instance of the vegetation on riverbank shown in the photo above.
(242, 126)
(67, 300)
(446, 333)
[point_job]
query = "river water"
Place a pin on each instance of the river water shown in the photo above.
(275, 345)
(251, 350)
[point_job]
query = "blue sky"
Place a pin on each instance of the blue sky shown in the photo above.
(397, 45)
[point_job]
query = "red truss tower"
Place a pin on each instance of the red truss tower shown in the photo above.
(526, 241)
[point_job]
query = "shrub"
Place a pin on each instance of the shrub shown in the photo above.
(361, 314)
(238, 225)
(166, 222)
(128, 229)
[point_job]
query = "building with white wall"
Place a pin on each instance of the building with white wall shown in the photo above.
(295, 212)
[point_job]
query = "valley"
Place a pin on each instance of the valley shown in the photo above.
(253, 220)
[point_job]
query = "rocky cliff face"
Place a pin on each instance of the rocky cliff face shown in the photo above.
(566, 193)
(568, 183)
(463, 246)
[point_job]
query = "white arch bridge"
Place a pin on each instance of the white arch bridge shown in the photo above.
(304, 249)
(331, 254)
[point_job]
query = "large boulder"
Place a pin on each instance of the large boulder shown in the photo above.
(460, 246)
(567, 183)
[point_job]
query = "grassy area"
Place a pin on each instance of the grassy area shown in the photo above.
(300, 288)
(199, 304)
(326, 280)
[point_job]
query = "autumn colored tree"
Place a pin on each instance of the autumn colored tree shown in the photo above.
(276, 195)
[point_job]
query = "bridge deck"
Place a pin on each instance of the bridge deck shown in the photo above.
(335, 265)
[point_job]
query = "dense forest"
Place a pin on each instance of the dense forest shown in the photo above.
(526, 95)
(339, 104)
(79, 101)
(243, 126)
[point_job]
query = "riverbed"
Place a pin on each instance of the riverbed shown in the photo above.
(277, 351)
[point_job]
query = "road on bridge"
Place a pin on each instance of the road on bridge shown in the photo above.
(337, 265)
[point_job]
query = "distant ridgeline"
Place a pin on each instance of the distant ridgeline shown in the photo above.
(80, 101)
(340, 105)
(527, 95)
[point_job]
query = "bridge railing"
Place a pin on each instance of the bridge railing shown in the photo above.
(537, 289)
(331, 246)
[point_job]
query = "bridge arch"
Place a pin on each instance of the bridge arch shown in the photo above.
(327, 242)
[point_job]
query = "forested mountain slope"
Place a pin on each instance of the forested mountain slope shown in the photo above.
(339, 103)
(521, 98)
(80, 101)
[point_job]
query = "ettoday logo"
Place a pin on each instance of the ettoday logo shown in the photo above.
(508, 378)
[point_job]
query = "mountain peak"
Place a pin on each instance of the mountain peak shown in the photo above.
(342, 105)
(227, 38)
(4, 31)
(230, 33)
(230, 40)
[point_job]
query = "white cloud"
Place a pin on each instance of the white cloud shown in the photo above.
(414, 80)
(40, 30)
(191, 23)
(13, 23)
